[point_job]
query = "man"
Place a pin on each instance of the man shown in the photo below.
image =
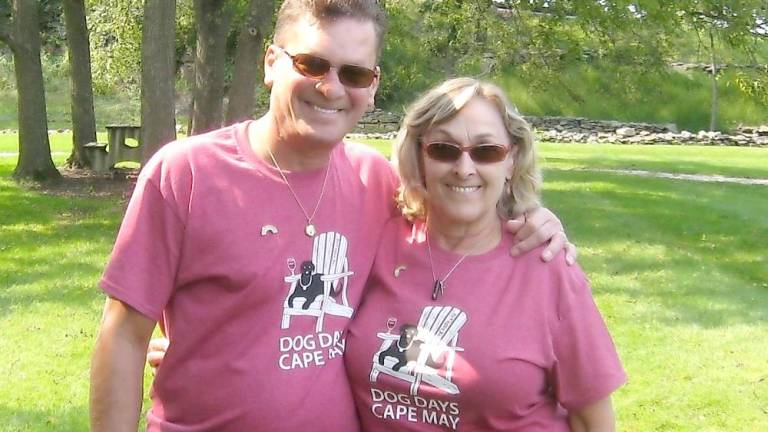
(216, 226)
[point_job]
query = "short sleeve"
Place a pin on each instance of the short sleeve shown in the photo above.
(587, 367)
(142, 269)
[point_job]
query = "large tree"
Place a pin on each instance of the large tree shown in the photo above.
(21, 32)
(83, 117)
(158, 71)
(248, 60)
(212, 18)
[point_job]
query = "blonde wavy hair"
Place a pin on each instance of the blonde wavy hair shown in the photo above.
(440, 104)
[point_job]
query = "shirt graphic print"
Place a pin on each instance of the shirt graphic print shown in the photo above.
(317, 286)
(320, 286)
(421, 354)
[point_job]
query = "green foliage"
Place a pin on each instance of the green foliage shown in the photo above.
(405, 69)
(52, 29)
(599, 91)
(726, 32)
(185, 29)
(626, 45)
(7, 78)
(536, 39)
(754, 83)
(115, 34)
(5, 8)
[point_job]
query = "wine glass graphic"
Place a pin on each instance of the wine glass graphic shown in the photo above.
(391, 323)
(292, 265)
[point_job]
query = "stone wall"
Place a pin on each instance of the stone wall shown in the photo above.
(381, 124)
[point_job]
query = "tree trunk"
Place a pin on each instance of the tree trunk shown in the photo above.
(212, 18)
(83, 117)
(713, 106)
(248, 60)
(34, 148)
(158, 72)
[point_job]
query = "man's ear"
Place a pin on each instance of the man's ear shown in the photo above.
(270, 58)
(372, 89)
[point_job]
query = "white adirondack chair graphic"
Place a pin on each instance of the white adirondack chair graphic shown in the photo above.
(438, 330)
(329, 257)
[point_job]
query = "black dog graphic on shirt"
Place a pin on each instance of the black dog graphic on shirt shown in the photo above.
(406, 349)
(309, 286)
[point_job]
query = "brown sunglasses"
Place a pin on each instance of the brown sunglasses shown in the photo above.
(482, 153)
(312, 66)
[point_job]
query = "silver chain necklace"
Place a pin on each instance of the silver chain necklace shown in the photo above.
(439, 286)
(309, 229)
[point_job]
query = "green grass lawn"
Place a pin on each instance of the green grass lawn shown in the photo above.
(52, 251)
(60, 142)
(749, 162)
(679, 270)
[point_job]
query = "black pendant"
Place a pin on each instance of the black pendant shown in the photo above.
(437, 291)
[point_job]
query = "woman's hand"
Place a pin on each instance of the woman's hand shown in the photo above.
(156, 353)
(537, 227)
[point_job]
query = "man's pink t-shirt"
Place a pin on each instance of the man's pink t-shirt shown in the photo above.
(213, 245)
(512, 344)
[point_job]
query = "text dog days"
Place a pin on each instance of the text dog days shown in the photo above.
(398, 406)
(310, 350)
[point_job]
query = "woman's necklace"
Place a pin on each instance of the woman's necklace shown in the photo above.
(309, 229)
(439, 287)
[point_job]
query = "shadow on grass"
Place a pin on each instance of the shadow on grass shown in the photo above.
(692, 253)
(53, 247)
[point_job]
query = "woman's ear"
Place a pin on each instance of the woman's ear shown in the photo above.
(420, 164)
(510, 162)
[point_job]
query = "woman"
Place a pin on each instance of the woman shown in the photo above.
(449, 337)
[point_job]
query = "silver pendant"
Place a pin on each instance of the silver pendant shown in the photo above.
(437, 290)
(310, 230)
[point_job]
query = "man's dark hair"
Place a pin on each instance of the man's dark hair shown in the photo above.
(325, 11)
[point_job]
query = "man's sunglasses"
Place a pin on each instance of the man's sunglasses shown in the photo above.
(482, 153)
(315, 67)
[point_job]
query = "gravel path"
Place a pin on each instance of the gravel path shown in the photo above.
(691, 177)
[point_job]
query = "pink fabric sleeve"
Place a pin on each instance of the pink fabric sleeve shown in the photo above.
(587, 367)
(142, 269)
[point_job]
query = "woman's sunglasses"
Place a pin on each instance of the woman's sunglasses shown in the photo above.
(482, 153)
(315, 67)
